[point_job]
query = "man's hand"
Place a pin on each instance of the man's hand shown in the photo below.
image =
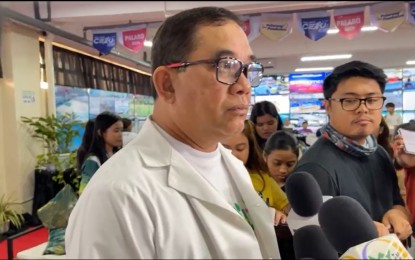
(397, 220)
(397, 145)
(381, 228)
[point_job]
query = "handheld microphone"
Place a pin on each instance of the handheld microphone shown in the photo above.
(311, 243)
(351, 231)
(304, 194)
(305, 197)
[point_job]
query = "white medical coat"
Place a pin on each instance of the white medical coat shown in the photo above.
(148, 202)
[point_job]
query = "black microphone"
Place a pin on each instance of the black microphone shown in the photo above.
(311, 243)
(305, 197)
(346, 223)
(304, 194)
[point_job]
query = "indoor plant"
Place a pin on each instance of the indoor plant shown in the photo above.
(57, 134)
(8, 215)
(58, 162)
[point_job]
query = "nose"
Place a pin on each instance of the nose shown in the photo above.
(362, 108)
(242, 86)
(283, 169)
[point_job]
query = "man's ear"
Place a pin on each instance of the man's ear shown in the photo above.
(163, 84)
(327, 105)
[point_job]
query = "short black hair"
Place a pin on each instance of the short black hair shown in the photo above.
(175, 39)
(390, 104)
(353, 69)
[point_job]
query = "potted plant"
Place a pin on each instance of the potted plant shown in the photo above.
(57, 134)
(57, 163)
(8, 215)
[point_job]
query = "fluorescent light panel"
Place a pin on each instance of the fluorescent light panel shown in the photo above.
(364, 29)
(148, 43)
(327, 57)
(410, 62)
(314, 69)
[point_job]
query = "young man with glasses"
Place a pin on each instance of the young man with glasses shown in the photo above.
(346, 160)
(175, 192)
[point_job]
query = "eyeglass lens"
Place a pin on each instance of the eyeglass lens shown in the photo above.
(371, 103)
(229, 71)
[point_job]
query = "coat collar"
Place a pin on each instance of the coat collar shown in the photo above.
(181, 175)
(157, 152)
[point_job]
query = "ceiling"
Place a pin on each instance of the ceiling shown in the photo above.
(387, 50)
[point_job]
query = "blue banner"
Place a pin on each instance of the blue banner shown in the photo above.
(104, 42)
(315, 28)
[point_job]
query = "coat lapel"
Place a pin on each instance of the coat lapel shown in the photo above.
(260, 214)
(181, 175)
(157, 152)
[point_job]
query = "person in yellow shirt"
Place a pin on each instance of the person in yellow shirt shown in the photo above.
(246, 149)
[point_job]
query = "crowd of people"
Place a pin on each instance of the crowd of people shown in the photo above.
(201, 180)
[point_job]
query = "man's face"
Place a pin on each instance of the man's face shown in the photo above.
(204, 108)
(390, 109)
(360, 123)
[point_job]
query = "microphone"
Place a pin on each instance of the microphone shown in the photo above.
(311, 243)
(305, 197)
(351, 231)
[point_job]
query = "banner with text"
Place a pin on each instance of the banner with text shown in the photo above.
(349, 21)
(133, 37)
(387, 16)
(314, 24)
(104, 42)
(276, 26)
(250, 25)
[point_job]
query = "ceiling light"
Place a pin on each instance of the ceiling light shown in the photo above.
(364, 29)
(148, 43)
(332, 31)
(327, 57)
(410, 62)
(44, 85)
(314, 69)
(369, 28)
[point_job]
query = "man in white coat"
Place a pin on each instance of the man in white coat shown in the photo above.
(175, 191)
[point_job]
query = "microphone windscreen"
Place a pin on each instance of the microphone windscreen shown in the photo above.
(346, 223)
(310, 242)
(304, 194)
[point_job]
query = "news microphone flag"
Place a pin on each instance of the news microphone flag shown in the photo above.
(385, 247)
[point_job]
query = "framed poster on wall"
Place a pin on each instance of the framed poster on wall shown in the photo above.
(306, 83)
(72, 100)
(307, 103)
(281, 102)
(394, 81)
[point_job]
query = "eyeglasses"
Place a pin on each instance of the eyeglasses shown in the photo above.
(229, 69)
(350, 104)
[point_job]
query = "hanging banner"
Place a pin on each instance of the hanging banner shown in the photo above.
(250, 25)
(276, 26)
(349, 21)
(387, 16)
(104, 42)
(314, 24)
(411, 13)
(133, 37)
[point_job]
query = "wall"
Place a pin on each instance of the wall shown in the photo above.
(20, 95)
